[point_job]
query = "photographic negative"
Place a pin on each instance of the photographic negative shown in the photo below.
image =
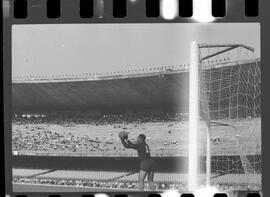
(136, 107)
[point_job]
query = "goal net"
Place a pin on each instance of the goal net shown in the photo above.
(230, 116)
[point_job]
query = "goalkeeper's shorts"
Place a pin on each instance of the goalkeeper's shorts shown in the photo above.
(148, 165)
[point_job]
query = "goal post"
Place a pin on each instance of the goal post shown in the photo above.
(193, 158)
(194, 118)
(224, 116)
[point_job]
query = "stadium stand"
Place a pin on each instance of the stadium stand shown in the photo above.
(167, 135)
(96, 136)
(104, 179)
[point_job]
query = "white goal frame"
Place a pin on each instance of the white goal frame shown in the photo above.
(194, 111)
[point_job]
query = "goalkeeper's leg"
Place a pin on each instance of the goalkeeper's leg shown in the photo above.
(142, 175)
(151, 180)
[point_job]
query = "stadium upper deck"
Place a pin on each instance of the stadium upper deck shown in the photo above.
(126, 91)
(156, 88)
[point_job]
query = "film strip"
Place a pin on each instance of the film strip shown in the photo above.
(86, 9)
(119, 8)
(87, 81)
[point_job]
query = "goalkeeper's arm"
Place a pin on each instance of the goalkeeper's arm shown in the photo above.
(128, 144)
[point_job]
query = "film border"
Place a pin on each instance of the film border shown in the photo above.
(235, 13)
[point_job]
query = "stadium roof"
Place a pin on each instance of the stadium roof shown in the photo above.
(142, 91)
(167, 89)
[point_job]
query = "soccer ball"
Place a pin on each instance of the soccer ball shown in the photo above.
(123, 135)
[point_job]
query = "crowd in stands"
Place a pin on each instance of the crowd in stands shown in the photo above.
(46, 140)
(36, 132)
(95, 184)
(69, 119)
(159, 186)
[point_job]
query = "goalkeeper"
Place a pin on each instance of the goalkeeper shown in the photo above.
(147, 164)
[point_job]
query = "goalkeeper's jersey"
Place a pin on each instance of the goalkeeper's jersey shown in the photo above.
(142, 149)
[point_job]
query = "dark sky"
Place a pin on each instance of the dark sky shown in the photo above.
(88, 48)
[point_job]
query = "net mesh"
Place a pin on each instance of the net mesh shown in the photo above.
(230, 105)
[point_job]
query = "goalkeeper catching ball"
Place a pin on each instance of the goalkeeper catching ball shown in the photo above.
(147, 164)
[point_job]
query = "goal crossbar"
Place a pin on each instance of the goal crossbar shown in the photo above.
(225, 45)
(228, 48)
